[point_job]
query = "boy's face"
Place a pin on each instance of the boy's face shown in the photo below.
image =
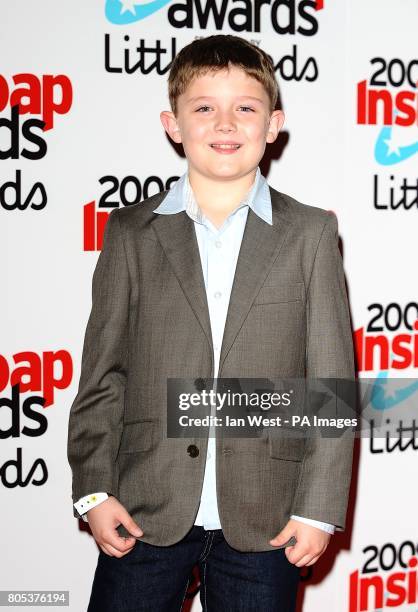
(221, 106)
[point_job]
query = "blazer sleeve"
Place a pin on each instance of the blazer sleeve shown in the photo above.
(96, 415)
(325, 474)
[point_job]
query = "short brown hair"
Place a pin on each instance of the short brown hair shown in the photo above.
(216, 53)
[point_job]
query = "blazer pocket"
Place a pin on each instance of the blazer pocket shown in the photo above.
(289, 449)
(273, 294)
(136, 437)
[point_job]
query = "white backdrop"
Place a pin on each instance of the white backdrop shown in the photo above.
(105, 128)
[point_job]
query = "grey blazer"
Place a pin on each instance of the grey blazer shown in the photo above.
(288, 317)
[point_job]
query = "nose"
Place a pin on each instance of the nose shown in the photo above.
(225, 122)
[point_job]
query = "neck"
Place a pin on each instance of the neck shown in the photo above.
(220, 195)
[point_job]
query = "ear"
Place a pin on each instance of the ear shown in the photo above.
(275, 125)
(171, 126)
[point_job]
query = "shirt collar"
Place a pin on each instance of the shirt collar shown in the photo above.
(181, 198)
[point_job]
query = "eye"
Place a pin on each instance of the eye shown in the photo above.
(205, 107)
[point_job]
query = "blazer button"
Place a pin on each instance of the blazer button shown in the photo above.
(227, 451)
(193, 450)
(200, 384)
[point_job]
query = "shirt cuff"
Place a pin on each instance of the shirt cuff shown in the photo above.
(86, 503)
(318, 524)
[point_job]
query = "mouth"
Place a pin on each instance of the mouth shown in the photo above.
(225, 146)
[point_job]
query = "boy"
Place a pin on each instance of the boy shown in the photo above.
(220, 276)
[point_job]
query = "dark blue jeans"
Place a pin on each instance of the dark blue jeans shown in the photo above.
(155, 578)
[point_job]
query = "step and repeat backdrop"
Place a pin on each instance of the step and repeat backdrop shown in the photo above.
(81, 88)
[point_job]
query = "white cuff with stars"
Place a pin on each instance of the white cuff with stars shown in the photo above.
(88, 502)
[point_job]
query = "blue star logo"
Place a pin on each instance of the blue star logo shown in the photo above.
(381, 400)
(122, 12)
(387, 153)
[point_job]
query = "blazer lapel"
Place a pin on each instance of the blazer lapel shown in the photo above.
(260, 247)
(178, 239)
(261, 244)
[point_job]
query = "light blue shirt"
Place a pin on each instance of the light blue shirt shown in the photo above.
(219, 249)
